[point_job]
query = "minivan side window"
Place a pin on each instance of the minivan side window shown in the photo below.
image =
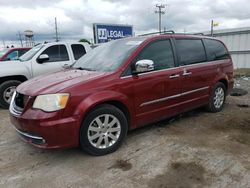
(57, 53)
(190, 51)
(160, 52)
(78, 51)
(215, 50)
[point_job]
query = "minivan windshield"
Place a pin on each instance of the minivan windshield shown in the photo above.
(28, 55)
(109, 56)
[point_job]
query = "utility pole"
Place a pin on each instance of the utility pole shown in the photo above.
(3, 43)
(212, 28)
(160, 11)
(57, 38)
(213, 24)
(20, 38)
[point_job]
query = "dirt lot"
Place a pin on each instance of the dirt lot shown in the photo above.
(197, 149)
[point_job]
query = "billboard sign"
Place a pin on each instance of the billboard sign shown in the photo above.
(106, 32)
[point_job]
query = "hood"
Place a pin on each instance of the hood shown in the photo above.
(55, 82)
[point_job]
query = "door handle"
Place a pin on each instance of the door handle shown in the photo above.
(186, 72)
(174, 76)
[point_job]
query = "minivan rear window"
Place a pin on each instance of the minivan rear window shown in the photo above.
(215, 50)
(190, 51)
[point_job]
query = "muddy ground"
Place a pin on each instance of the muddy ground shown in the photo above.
(197, 149)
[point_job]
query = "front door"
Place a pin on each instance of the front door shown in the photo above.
(155, 92)
(58, 56)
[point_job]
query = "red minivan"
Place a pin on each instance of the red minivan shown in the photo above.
(119, 86)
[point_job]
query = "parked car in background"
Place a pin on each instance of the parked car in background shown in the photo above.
(41, 59)
(121, 85)
(10, 54)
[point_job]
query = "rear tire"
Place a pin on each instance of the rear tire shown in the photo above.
(217, 98)
(103, 130)
(7, 89)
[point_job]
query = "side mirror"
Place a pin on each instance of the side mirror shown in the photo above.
(42, 58)
(144, 65)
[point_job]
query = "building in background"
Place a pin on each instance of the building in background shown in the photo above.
(238, 43)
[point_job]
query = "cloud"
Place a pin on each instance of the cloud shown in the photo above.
(75, 18)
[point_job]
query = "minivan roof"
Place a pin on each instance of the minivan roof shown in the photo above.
(168, 35)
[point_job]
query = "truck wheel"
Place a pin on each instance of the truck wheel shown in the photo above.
(217, 98)
(103, 130)
(7, 89)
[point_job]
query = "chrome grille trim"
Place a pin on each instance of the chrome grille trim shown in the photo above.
(29, 135)
(14, 109)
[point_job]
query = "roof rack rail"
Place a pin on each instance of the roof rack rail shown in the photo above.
(154, 33)
(198, 34)
(189, 33)
(170, 32)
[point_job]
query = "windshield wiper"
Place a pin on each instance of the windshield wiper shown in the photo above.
(84, 68)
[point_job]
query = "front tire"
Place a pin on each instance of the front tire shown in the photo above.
(103, 130)
(217, 98)
(7, 89)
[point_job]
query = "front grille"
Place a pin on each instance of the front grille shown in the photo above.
(20, 100)
(18, 103)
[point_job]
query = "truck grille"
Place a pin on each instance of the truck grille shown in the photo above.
(18, 103)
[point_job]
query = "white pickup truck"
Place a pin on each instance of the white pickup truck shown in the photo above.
(41, 59)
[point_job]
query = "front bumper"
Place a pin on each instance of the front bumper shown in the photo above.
(47, 130)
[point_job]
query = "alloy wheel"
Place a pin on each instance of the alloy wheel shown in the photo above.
(104, 131)
(219, 97)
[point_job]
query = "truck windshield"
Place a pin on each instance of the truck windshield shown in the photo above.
(28, 55)
(109, 56)
(3, 52)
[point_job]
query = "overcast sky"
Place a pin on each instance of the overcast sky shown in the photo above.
(75, 17)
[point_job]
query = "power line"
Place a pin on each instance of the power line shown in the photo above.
(160, 11)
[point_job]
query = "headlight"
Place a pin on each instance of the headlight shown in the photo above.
(51, 102)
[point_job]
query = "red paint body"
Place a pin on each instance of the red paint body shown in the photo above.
(12, 50)
(88, 89)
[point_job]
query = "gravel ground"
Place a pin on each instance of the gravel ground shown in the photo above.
(196, 149)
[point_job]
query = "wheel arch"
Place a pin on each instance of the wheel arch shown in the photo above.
(20, 78)
(224, 81)
(112, 98)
